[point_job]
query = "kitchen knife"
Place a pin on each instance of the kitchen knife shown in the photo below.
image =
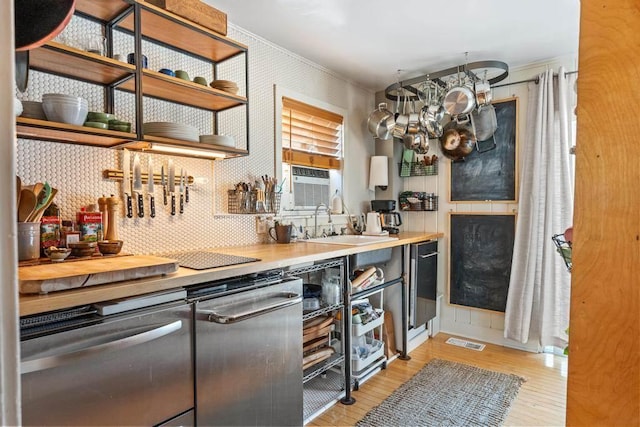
(186, 187)
(126, 181)
(163, 182)
(181, 191)
(172, 186)
(150, 188)
(137, 184)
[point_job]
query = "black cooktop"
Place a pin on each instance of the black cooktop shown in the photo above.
(202, 260)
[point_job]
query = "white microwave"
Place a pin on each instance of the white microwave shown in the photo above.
(309, 187)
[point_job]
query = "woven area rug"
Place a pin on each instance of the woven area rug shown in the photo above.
(446, 393)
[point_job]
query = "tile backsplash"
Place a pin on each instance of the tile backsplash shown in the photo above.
(77, 171)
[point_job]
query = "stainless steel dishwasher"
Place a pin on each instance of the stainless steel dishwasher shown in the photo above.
(248, 341)
(132, 368)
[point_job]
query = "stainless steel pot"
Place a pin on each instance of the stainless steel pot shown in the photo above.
(459, 99)
(483, 94)
(381, 122)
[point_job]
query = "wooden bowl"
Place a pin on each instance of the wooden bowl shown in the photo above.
(82, 249)
(110, 247)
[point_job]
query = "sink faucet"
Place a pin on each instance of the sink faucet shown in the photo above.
(315, 216)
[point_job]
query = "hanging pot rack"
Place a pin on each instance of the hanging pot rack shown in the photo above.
(399, 90)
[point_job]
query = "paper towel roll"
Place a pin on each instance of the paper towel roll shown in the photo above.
(378, 172)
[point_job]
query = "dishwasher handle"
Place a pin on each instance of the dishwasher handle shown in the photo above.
(291, 298)
(119, 344)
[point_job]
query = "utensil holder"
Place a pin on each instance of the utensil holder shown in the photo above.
(246, 202)
(28, 241)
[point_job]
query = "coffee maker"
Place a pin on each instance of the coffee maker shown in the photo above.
(389, 218)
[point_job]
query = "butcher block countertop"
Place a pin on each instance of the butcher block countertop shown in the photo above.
(271, 256)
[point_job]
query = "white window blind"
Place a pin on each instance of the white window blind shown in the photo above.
(311, 136)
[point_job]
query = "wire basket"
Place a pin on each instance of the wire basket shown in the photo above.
(417, 169)
(253, 202)
(564, 249)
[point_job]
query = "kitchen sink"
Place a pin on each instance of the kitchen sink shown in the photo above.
(351, 239)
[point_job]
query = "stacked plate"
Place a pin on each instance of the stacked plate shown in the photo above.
(224, 140)
(171, 130)
(225, 85)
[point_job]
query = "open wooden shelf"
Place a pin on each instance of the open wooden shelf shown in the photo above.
(67, 61)
(168, 88)
(149, 139)
(104, 10)
(62, 132)
(157, 25)
(173, 30)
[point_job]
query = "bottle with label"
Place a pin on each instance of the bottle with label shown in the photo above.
(336, 203)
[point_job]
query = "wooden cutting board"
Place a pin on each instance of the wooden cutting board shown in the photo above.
(49, 277)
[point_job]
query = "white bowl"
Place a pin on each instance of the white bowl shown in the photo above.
(71, 113)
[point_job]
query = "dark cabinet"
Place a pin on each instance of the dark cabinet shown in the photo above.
(423, 283)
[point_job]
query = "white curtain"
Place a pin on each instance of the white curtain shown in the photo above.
(539, 289)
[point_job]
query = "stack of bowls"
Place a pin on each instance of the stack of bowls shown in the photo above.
(65, 108)
(172, 130)
(99, 120)
(225, 85)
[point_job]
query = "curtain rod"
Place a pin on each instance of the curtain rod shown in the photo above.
(536, 80)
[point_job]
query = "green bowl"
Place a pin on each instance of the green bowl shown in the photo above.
(120, 126)
(96, 116)
(97, 125)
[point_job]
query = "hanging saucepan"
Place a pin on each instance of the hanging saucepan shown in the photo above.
(381, 122)
(37, 22)
(414, 120)
(432, 112)
(418, 142)
(459, 99)
(402, 120)
(457, 140)
(483, 94)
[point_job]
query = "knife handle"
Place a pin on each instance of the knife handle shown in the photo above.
(173, 204)
(152, 207)
(129, 207)
(140, 206)
(164, 195)
(186, 194)
(181, 203)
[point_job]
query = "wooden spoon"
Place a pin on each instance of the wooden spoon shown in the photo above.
(28, 202)
(37, 213)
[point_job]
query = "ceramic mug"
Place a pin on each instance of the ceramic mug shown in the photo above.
(131, 59)
(283, 233)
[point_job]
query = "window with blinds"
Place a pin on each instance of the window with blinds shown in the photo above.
(311, 136)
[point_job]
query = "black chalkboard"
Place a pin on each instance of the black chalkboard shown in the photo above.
(490, 175)
(480, 259)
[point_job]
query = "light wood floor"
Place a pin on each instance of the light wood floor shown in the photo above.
(540, 402)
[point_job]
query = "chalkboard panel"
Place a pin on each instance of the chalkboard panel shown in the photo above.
(480, 259)
(490, 175)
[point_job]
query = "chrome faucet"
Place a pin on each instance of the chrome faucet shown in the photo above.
(315, 218)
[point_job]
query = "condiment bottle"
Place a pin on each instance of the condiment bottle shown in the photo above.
(336, 203)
